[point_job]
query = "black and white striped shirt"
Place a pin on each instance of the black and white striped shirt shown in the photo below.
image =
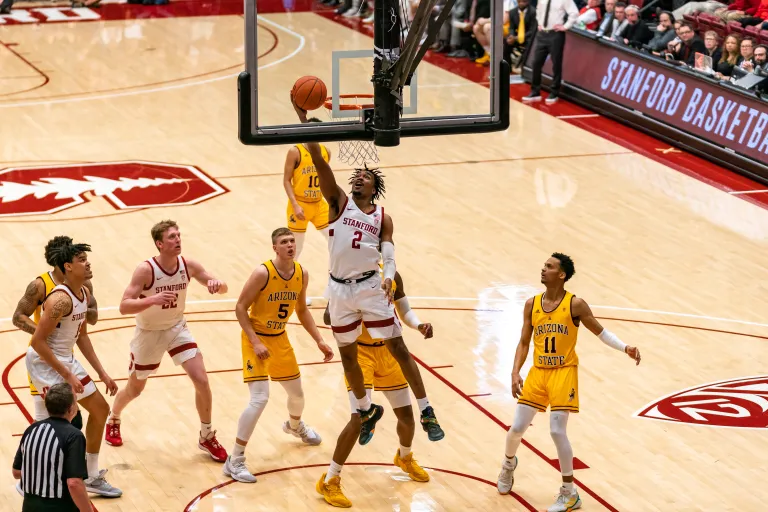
(51, 451)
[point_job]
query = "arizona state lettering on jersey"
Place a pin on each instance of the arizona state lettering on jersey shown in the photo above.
(275, 304)
(554, 334)
(306, 183)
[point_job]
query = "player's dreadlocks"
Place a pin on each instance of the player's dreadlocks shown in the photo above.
(378, 181)
(67, 252)
(52, 246)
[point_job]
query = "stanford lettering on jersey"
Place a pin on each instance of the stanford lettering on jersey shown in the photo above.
(78, 317)
(157, 318)
(63, 338)
(361, 225)
(354, 246)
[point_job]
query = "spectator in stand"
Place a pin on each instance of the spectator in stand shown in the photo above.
(747, 52)
(606, 26)
(708, 7)
(760, 17)
(522, 29)
(760, 58)
(619, 19)
(685, 51)
(637, 32)
(664, 33)
(730, 57)
(712, 43)
(482, 31)
(737, 10)
(554, 18)
(590, 15)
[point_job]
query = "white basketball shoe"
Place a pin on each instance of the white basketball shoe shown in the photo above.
(303, 432)
(507, 476)
(566, 501)
(235, 468)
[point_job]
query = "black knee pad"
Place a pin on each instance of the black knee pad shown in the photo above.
(77, 421)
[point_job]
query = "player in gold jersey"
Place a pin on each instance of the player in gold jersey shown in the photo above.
(270, 296)
(381, 372)
(553, 319)
(31, 302)
(302, 186)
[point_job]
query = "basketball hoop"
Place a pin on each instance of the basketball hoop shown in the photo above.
(354, 152)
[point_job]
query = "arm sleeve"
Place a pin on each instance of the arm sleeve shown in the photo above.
(74, 457)
(388, 255)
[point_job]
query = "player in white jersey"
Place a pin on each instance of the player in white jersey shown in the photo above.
(360, 235)
(157, 296)
(51, 359)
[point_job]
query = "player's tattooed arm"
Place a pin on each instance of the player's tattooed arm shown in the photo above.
(57, 305)
(92, 315)
(32, 297)
(198, 273)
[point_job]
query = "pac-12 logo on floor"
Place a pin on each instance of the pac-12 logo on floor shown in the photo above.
(125, 185)
(740, 403)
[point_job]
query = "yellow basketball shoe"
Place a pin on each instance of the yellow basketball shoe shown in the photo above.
(332, 493)
(410, 466)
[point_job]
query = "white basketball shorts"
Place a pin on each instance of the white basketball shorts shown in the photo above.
(148, 347)
(351, 305)
(43, 376)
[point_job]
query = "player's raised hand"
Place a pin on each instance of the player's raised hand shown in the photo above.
(426, 330)
(111, 385)
(326, 350)
(517, 385)
(261, 351)
(634, 353)
(299, 111)
(214, 285)
(163, 299)
(386, 285)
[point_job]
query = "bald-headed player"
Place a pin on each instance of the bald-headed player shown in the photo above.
(552, 319)
(30, 305)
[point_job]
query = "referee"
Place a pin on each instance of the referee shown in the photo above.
(50, 460)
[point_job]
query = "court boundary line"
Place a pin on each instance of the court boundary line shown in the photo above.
(500, 300)
(299, 48)
(192, 504)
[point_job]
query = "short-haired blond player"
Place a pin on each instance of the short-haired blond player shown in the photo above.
(157, 296)
(269, 297)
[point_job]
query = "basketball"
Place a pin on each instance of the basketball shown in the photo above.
(309, 93)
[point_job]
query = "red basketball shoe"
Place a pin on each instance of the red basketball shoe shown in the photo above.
(112, 434)
(212, 446)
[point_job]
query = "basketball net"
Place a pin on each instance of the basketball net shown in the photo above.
(354, 152)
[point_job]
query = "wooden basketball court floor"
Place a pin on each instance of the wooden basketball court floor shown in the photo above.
(669, 263)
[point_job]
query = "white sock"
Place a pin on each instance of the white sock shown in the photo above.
(364, 404)
(569, 486)
(41, 412)
(299, 240)
(509, 462)
(238, 450)
(205, 430)
(92, 464)
(423, 403)
(404, 450)
(294, 423)
(333, 470)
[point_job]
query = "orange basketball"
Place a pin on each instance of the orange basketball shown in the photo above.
(309, 93)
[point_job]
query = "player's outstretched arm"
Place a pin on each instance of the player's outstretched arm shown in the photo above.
(199, 274)
(27, 305)
(581, 310)
(291, 161)
(131, 303)
(522, 348)
(250, 292)
(56, 306)
(92, 315)
(86, 348)
(404, 311)
(305, 317)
